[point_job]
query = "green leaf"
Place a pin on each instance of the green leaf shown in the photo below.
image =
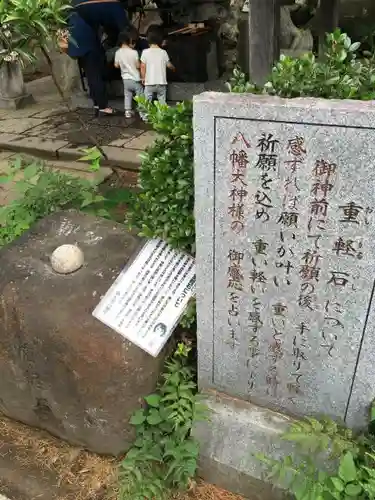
(138, 418)
(154, 418)
(87, 199)
(22, 186)
(132, 454)
(153, 400)
(102, 212)
(30, 171)
(343, 55)
(338, 484)
(333, 80)
(192, 447)
(300, 490)
(372, 411)
(347, 468)
(354, 46)
(353, 490)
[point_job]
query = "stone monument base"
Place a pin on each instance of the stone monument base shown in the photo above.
(16, 102)
(235, 433)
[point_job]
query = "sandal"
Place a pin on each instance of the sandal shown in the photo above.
(114, 112)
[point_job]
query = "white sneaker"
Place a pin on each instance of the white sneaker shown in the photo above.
(128, 114)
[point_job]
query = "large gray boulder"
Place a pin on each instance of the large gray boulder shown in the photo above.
(61, 369)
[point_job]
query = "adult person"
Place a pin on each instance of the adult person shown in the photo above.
(107, 14)
(84, 45)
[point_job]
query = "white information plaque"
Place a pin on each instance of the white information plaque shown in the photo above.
(149, 296)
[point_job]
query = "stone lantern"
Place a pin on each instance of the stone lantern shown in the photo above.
(13, 94)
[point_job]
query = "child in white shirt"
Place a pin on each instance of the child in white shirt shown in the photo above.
(154, 64)
(127, 59)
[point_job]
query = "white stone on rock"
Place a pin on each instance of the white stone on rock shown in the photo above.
(67, 259)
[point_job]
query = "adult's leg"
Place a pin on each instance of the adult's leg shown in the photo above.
(161, 94)
(82, 62)
(94, 74)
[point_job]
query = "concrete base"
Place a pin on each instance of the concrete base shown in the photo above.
(16, 102)
(185, 91)
(236, 432)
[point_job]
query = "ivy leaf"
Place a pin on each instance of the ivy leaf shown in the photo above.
(153, 400)
(347, 469)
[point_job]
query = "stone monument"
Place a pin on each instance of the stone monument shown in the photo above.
(285, 270)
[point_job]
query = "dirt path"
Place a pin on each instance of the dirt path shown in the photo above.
(34, 464)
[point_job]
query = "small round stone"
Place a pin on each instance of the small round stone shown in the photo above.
(67, 259)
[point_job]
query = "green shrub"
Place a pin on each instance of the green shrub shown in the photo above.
(330, 462)
(42, 191)
(164, 206)
(164, 455)
(338, 75)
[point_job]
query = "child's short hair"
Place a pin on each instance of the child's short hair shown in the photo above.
(133, 33)
(128, 36)
(155, 36)
(124, 38)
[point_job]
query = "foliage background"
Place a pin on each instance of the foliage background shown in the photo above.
(28, 25)
(164, 206)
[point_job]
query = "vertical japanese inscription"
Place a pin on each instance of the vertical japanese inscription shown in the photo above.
(237, 195)
(290, 230)
(288, 222)
(341, 280)
(238, 185)
(267, 165)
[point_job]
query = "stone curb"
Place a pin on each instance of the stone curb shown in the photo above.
(52, 149)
